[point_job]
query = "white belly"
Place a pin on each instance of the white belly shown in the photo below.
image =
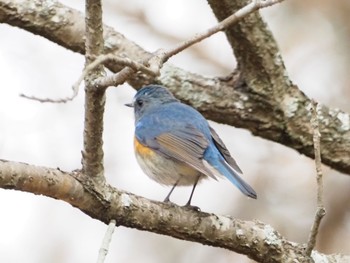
(166, 171)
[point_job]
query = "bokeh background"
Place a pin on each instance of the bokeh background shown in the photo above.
(314, 39)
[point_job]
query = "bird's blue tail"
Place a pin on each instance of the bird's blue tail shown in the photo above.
(223, 168)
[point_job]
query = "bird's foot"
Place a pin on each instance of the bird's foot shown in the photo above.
(192, 207)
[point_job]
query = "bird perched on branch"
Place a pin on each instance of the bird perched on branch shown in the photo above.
(175, 146)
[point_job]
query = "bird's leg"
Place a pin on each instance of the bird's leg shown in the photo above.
(167, 198)
(188, 204)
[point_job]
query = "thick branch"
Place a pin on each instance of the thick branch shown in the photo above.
(255, 50)
(263, 74)
(255, 239)
(241, 100)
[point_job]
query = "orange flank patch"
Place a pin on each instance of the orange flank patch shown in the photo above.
(141, 149)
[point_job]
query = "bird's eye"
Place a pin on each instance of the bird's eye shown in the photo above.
(139, 103)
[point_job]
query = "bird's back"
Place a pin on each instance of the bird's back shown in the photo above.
(173, 116)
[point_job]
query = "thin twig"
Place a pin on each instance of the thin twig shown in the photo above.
(152, 71)
(321, 211)
(229, 21)
(136, 66)
(44, 100)
(105, 242)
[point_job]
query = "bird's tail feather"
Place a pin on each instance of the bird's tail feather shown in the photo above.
(234, 178)
(224, 169)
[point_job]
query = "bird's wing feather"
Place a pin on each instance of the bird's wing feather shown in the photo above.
(187, 145)
(223, 150)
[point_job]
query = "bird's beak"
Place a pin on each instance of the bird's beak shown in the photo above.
(129, 105)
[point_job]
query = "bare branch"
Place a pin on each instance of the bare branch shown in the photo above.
(255, 239)
(229, 21)
(106, 241)
(100, 60)
(50, 100)
(94, 97)
(321, 211)
(154, 64)
(104, 81)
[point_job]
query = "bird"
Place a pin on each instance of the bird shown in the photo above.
(175, 145)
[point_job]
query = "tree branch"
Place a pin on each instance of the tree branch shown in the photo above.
(321, 211)
(233, 18)
(263, 74)
(256, 52)
(252, 238)
(94, 96)
(105, 242)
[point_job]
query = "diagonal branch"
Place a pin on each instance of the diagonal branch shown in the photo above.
(233, 18)
(239, 100)
(252, 238)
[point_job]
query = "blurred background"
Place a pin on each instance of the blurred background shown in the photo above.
(314, 39)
